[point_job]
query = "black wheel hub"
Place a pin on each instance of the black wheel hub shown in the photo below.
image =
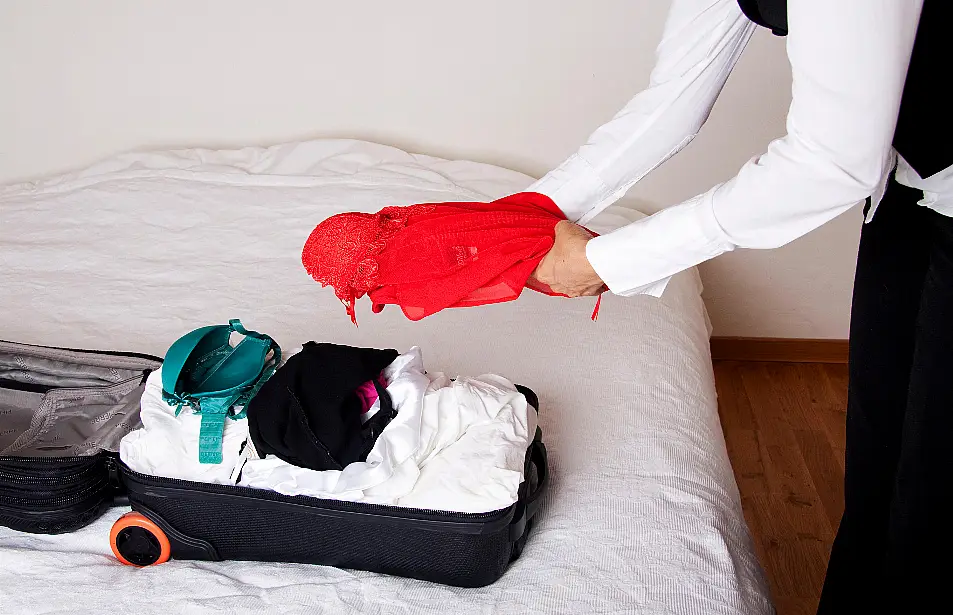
(138, 545)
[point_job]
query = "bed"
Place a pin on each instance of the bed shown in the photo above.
(644, 514)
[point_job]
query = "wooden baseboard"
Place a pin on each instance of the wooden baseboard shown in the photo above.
(778, 349)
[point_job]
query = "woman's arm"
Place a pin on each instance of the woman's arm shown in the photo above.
(849, 61)
(700, 45)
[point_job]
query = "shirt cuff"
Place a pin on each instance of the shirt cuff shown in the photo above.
(641, 257)
(655, 289)
(574, 186)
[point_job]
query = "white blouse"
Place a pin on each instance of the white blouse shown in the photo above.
(849, 61)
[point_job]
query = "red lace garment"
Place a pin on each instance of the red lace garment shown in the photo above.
(428, 257)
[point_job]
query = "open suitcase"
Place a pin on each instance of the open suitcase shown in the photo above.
(63, 413)
(189, 520)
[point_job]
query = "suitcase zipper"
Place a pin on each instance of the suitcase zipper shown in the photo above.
(340, 505)
(57, 478)
(24, 485)
(56, 508)
(75, 463)
(54, 497)
(111, 353)
(41, 470)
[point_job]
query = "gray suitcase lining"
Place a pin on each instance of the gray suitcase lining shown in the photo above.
(67, 403)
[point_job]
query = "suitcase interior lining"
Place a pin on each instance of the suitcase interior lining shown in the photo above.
(61, 403)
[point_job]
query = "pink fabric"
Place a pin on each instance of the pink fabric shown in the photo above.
(368, 394)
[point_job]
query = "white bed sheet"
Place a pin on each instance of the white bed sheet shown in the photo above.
(643, 515)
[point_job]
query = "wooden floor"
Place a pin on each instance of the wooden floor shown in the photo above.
(784, 425)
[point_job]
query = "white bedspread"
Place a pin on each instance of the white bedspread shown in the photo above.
(643, 515)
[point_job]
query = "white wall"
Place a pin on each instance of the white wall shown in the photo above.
(519, 83)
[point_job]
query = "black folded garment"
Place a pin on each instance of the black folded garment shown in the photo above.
(309, 413)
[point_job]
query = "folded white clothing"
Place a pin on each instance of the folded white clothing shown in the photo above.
(168, 445)
(483, 468)
(484, 426)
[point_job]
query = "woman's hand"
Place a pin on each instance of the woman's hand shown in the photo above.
(565, 269)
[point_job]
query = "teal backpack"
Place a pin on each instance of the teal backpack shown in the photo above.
(203, 371)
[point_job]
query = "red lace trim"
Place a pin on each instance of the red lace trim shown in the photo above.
(351, 266)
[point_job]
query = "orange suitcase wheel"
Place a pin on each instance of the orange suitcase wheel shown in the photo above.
(137, 541)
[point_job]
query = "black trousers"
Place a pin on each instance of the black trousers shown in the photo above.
(894, 548)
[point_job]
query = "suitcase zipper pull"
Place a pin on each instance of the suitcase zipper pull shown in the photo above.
(112, 468)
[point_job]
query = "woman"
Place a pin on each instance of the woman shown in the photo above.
(844, 144)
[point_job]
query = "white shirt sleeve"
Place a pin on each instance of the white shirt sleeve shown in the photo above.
(701, 43)
(849, 61)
